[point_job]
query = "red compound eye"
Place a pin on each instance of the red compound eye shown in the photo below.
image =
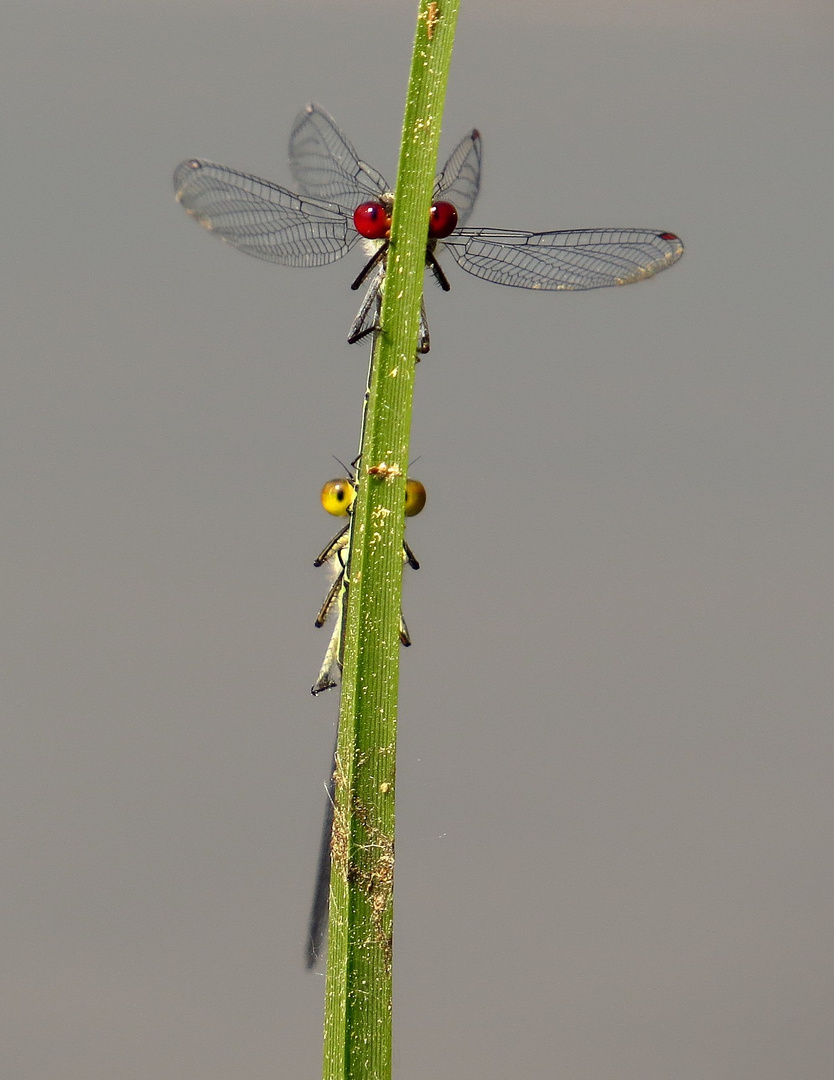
(372, 221)
(443, 220)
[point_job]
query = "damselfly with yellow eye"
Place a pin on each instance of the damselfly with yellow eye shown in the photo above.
(337, 498)
(343, 200)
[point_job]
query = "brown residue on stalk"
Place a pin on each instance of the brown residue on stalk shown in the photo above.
(339, 835)
(384, 471)
(377, 882)
(432, 18)
(370, 867)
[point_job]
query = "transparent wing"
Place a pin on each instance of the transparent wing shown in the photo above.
(325, 165)
(317, 926)
(574, 259)
(261, 218)
(460, 180)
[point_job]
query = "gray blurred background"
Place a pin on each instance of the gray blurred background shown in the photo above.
(614, 817)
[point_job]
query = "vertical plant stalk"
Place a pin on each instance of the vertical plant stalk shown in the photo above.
(357, 1031)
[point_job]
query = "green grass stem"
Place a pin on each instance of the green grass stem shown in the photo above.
(357, 1033)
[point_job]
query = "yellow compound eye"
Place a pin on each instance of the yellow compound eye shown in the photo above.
(415, 497)
(337, 495)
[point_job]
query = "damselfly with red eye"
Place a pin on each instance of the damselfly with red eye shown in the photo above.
(342, 200)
